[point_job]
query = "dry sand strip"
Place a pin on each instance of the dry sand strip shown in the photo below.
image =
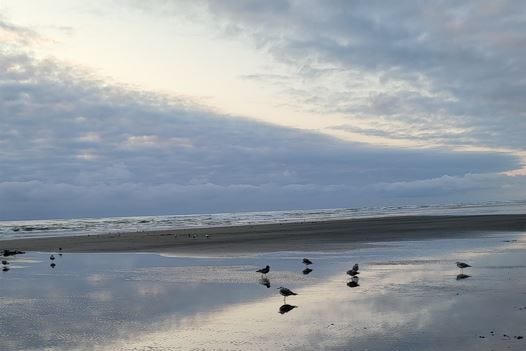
(323, 235)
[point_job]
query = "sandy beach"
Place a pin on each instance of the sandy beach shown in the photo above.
(408, 297)
(307, 236)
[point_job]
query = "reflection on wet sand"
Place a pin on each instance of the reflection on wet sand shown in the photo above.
(306, 271)
(353, 283)
(406, 299)
(286, 308)
(264, 281)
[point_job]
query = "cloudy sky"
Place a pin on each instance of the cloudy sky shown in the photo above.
(132, 107)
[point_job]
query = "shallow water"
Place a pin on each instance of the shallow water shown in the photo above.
(408, 298)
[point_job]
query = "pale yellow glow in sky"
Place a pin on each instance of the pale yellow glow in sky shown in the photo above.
(179, 56)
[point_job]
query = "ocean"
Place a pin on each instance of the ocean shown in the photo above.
(84, 226)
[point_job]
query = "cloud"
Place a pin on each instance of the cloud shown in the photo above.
(73, 145)
(449, 71)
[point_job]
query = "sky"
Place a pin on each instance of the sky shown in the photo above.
(128, 107)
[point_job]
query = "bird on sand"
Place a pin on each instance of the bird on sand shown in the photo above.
(307, 261)
(264, 270)
(286, 292)
(462, 265)
(352, 272)
(356, 267)
(286, 308)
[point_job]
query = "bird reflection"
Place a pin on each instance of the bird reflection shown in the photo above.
(306, 271)
(264, 281)
(354, 282)
(286, 308)
(52, 265)
(5, 269)
(462, 276)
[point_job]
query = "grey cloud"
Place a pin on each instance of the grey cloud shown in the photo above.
(470, 56)
(72, 145)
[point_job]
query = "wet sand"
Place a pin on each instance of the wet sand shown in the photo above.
(408, 298)
(308, 236)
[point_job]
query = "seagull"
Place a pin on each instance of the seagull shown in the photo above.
(264, 270)
(355, 267)
(462, 265)
(307, 261)
(306, 271)
(51, 257)
(286, 308)
(352, 272)
(286, 292)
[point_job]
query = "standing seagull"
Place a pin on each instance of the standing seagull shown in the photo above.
(307, 261)
(286, 292)
(264, 270)
(462, 265)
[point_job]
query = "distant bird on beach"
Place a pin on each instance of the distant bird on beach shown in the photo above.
(352, 272)
(8, 252)
(356, 267)
(286, 292)
(307, 261)
(51, 257)
(462, 265)
(264, 270)
(286, 308)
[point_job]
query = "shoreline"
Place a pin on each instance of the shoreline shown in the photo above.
(304, 236)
